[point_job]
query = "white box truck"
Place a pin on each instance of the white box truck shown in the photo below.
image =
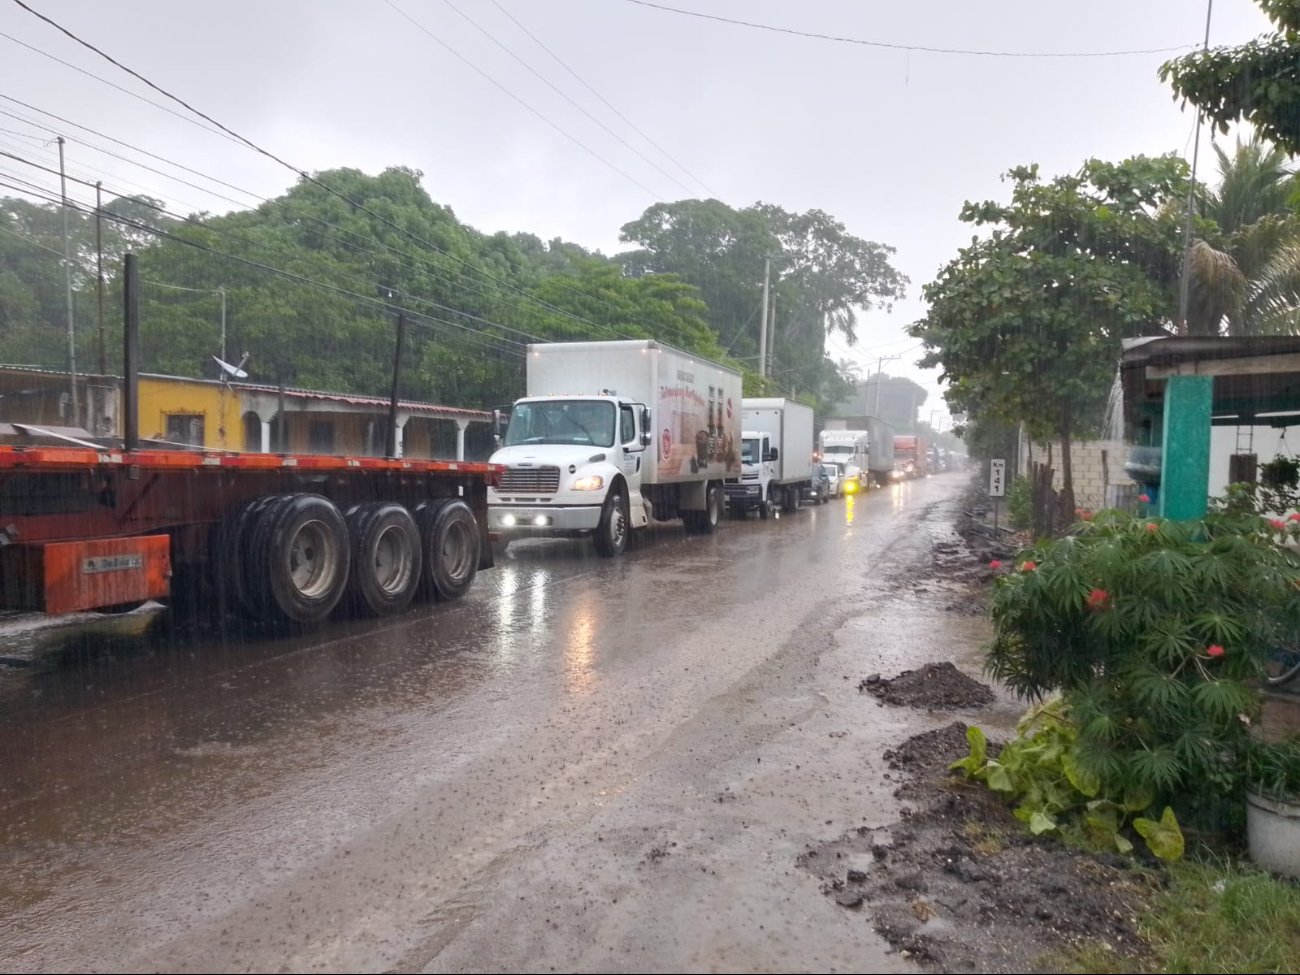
(776, 457)
(611, 435)
(851, 451)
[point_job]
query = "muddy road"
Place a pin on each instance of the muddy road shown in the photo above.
(583, 765)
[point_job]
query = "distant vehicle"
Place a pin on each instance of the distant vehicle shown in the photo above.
(818, 489)
(851, 450)
(911, 457)
(833, 477)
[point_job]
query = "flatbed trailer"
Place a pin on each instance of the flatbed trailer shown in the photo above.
(283, 538)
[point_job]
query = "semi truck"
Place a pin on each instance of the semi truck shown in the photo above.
(108, 523)
(776, 457)
(911, 456)
(850, 450)
(612, 436)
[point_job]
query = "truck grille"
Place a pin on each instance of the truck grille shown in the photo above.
(530, 480)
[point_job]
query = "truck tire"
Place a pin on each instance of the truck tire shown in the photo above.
(706, 522)
(241, 584)
(301, 547)
(769, 508)
(791, 501)
(611, 532)
(386, 558)
(450, 540)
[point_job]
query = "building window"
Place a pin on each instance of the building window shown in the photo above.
(186, 428)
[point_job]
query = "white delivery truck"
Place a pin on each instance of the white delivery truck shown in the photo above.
(880, 451)
(776, 457)
(611, 435)
(851, 450)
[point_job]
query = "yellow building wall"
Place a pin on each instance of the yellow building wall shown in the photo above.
(218, 405)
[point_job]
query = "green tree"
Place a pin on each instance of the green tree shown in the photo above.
(1026, 321)
(1255, 82)
(821, 277)
(1237, 264)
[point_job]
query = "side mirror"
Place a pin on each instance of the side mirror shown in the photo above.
(647, 438)
(774, 454)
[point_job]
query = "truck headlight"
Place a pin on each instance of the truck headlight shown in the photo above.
(508, 521)
(592, 482)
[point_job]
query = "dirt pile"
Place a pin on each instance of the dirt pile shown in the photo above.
(934, 687)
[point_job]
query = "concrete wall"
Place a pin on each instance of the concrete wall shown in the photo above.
(1099, 478)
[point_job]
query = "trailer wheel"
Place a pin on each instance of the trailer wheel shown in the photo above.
(386, 558)
(450, 540)
(611, 532)
(240, 580)
(302, 547)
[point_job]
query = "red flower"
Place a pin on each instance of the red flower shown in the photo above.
(1214, 650)
(1152, 528)
(1293, 516)
(1098, 598)
(1278, 524)
(1144, 498)
(1029, 565)
(995, 564)
(1083, 513)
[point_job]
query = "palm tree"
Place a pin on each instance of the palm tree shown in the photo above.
(1244, 273)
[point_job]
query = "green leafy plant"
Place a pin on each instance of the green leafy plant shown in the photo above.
(1020, 503)
(1052, 794)
(1153, 632)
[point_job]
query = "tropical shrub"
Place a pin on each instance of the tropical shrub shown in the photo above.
(1153, 633)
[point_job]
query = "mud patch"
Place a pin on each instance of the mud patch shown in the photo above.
(959, 886)
(934, 687)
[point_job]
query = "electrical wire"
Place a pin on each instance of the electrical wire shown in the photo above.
(907, 47)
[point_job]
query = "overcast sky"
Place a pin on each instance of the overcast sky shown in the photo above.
(889, 141)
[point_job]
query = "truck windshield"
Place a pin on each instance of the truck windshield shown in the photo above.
(749, 451)
(586, 422)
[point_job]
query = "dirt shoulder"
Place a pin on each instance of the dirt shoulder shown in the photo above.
(957, 884)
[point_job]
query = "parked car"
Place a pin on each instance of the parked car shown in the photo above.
(818, 490)
(834, 474)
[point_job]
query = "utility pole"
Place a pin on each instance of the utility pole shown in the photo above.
(875, 410)
(771, 342)
(99, 274)
(762, 324)
(1184, 286)
(67, 283)
(222, 291)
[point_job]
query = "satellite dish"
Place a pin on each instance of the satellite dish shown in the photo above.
(233, 372)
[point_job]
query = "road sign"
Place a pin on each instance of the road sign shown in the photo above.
(997, 478)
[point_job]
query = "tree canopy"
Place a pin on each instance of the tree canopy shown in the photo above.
(1026, 321)
(309, 284)
(1258, 82)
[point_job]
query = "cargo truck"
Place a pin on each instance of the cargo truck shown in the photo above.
(776, 457)
(611, 436)
(850, 451)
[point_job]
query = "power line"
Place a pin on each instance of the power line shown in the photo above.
(555, 88)
(33, 241)
(564, 132)
(906, 47)
(315, 181)
(603, 100)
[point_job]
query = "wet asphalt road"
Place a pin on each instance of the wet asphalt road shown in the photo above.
(583, 765)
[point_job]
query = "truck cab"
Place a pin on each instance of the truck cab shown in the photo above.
(574, 467)
(753, 490)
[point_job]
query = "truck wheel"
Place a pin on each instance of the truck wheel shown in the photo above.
(386, 558)
(791, 502)
(611, 532)
(706, 522)
(768, 508)
(302, 547)
(450, 538)
(240, 581)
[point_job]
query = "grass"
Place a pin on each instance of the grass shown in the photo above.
(1220, 915)
(1209, 915)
